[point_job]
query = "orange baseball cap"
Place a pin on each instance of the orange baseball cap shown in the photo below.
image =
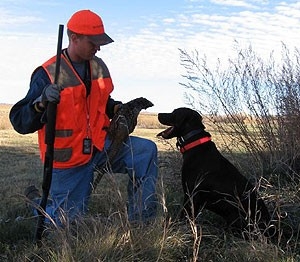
(86, 22)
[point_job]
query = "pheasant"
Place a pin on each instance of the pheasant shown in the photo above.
(122, 124)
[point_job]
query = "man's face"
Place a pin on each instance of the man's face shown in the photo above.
(84, 48)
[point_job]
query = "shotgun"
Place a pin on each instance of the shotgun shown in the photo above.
(49, 140)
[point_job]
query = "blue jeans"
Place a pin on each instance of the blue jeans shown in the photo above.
(71, 188)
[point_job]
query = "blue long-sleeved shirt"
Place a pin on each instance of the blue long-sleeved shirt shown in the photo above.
(23, 116)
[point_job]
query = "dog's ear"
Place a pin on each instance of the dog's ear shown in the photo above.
(188, 119)
(184, 115)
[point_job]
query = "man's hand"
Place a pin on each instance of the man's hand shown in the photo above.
(51, 93)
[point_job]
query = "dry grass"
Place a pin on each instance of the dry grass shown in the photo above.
(4, 118)
(105, 234)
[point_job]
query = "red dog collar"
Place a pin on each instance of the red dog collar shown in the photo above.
(195, 143)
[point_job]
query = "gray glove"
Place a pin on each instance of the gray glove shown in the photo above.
(51, 93)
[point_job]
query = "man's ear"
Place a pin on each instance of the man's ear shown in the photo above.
(75, 37)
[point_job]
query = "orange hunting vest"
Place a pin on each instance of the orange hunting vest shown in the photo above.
(78, 117)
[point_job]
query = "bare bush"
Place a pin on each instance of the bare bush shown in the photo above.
(253, 102)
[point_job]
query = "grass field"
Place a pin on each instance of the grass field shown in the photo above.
(106, 235)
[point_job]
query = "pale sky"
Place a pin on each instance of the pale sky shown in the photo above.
(144, 59)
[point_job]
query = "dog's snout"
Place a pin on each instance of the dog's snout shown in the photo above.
(164, 118)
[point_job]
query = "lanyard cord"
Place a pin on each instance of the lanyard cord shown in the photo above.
(87, 82)
(84, 76)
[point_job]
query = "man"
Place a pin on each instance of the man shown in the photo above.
(84, 107)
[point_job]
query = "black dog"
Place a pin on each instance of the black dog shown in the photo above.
(209, 180)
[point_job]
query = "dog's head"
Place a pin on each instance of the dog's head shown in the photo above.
(181, 121)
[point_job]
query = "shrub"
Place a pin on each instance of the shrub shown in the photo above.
(257, 98)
